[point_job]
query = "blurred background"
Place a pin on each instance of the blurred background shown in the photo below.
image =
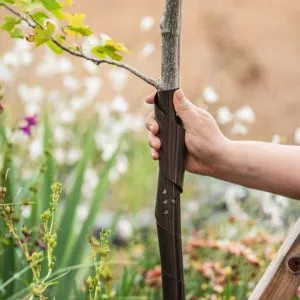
(239, 58)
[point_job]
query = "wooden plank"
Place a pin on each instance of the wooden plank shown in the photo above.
(282, 277)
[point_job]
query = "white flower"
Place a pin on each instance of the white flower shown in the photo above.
(17, 137)
(32, 108)
(5, 74)
(239, 128)
(124, 229)
(21, 45)
(103, 110)
(224, 115)
(276, 139)
(25, 58)
(89, 43)
(30, 94)
(245, 114)
(82, 212)
(64, 65)
(90, 66)
(73, 156)
(119, 104)
(297, 135)
(71, 83)
(122, 164)
(118, 78)
(60, 155)
(146, 23)
(147, 50)
(35, 149)
(60, 134)
(107, 143)
(92, 86)
(67, 116)
(51, 65)
(78, 103)
(133, 122)
(26, 211)
(11, 59)
(91, 179)
(209, 95)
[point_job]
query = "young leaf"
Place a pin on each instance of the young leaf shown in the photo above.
(50, 29)
(10, 23)
(76, 25)
(40, 17)
(39, 37)
(7, 1)
(51, 5)
(83, 30)
(17, 33)
(57, 50)
(110, 49)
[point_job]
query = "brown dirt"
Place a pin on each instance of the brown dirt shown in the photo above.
(248, 50)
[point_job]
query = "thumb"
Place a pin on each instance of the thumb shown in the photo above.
(183, 107)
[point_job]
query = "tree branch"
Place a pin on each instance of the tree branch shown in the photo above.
(33, 24)
(170, 33)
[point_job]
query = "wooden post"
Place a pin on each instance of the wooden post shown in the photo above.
(282, 277)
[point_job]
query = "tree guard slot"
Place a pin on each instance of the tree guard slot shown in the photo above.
(170, 182)
(294, 264)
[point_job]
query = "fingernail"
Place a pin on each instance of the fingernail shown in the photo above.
(179, 94)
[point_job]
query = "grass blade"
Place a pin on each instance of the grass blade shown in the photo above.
(67, 221)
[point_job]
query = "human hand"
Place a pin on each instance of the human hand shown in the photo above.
(204, 140)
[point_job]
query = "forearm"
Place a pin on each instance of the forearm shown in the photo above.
(263, 166)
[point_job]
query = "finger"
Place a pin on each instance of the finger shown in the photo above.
(150, 99)
(154, 154)
(151, 123)
(154, 142)
(185, 109)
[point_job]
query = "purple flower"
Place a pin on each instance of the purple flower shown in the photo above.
(1, 108)
(26, 129)
(31, 120)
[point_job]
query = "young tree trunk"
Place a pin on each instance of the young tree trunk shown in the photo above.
(171, 164)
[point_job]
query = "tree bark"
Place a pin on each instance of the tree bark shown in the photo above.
(172, 152)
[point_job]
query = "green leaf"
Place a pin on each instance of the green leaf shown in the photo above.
(10, 23)
(51, 5)
(50, 29)
(39, 37)
(40, 17)
(76, 25)
(110, 49)
(83, 30)
(49, 172)
(7, 1)
(57, 50)
(17, 33)
(73, 199)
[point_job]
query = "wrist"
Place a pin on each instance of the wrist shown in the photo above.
(222, 162)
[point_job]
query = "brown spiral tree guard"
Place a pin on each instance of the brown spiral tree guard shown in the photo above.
(170, 181)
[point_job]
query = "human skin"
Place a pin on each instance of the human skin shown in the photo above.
(258, 165)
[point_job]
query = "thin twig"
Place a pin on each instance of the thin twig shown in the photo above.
(127, 67)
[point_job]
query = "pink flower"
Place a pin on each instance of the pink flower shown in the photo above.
(30, 121)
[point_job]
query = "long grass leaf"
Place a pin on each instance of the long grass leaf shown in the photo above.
(73, 199)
